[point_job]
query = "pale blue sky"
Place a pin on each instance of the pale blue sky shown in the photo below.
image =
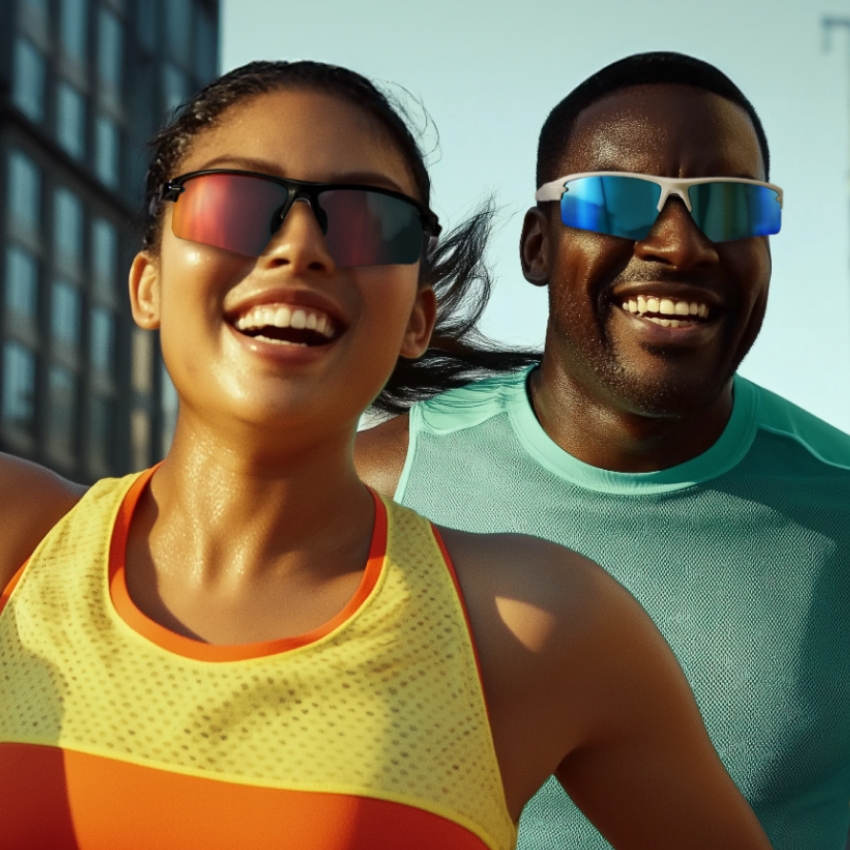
(489, 72)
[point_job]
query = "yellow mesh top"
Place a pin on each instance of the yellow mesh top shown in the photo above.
(388, 705)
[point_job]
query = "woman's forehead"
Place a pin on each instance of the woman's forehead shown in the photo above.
(305, 135)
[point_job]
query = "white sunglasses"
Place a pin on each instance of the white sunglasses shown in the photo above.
(619, 203)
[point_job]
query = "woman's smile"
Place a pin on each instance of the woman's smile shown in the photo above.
(287, 325)
(231, 323)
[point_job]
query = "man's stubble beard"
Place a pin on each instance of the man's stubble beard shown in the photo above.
(631, 388)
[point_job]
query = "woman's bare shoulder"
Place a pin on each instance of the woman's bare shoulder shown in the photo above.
(544, 576)
(554, 615)
(32, 500)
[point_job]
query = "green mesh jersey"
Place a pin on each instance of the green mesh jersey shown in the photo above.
(741, 556)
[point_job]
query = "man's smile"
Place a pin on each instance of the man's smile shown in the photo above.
(667, 312)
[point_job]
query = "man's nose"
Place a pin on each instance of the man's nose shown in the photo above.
(676, 240)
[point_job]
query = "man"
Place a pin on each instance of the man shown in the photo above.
(723, 508)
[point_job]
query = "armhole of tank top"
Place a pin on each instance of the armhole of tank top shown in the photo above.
(447, 559)
(9, 589)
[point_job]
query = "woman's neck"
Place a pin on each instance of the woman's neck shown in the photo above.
(279, 497)
(233, 546)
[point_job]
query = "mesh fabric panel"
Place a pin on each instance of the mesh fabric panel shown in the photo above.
(747, 575)
(387, 705)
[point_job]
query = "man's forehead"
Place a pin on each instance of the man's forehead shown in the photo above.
(672, 127)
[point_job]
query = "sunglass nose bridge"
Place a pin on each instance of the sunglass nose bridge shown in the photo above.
(313, 202)
(679, 192)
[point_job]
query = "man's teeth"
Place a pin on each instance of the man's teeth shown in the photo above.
(680, 312)
(282, 316)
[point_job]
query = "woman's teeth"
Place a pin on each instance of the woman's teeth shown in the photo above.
(269, 321)
(681, 313)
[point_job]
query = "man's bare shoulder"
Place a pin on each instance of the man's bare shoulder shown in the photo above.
(380, 452)
(32, 500)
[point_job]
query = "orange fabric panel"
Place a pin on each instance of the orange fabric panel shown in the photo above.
(189, 648)
(52, 799)
(7, 590)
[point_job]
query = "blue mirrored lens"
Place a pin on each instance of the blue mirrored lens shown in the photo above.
(725, 211)
(618, 206)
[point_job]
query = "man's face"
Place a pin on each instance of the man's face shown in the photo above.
(619, 357)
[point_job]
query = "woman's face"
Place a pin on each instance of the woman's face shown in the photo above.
(206, 300)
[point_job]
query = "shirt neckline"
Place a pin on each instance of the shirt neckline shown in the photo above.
(730, 448)
(177, 644)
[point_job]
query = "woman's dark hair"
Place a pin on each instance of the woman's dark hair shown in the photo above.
(640, 69)
(458, 353)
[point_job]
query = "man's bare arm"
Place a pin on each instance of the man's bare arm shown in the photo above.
(380, 452)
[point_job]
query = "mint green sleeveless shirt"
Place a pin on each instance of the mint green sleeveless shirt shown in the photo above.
(741, 556)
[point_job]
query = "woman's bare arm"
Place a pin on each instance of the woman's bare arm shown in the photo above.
(580, 683)
(32, 500)
(646, 773)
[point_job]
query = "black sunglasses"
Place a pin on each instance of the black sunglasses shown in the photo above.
(241, 210)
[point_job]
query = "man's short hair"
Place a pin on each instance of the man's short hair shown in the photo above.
(637, 70)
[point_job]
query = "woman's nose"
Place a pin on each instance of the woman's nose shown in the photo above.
(300, 240)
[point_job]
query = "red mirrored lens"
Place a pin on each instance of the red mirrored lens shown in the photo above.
(236, 212)
(371, 229)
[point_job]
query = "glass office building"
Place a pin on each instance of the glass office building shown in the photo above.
(83, 85)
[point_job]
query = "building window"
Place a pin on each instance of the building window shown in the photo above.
(142, 359)
(146, 24)
(206, 59)
(140, 438)
(68, 229)
(101, 427)
(18, 386)
(175, 87)
(39, 8)
(65, 314)
(104, 257)
(71, 120)
(102, 339)
(169, 405)
(21, 285)
(28, 80)
(24, 192)
(62, 411)
(110, 52)
(106, 151)
(73, 28)
(178, 28)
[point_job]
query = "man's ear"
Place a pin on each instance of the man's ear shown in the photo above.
(534, 247)
(421, 323)
(144, 290)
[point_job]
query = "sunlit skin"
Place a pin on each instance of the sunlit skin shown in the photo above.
(615, 390)
(278, 421)
(257, 527)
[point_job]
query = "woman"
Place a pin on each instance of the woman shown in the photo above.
(245, 647)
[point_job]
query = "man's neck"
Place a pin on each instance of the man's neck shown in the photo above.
(601, 434)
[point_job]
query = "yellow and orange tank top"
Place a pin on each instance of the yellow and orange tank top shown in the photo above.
(117, 734)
